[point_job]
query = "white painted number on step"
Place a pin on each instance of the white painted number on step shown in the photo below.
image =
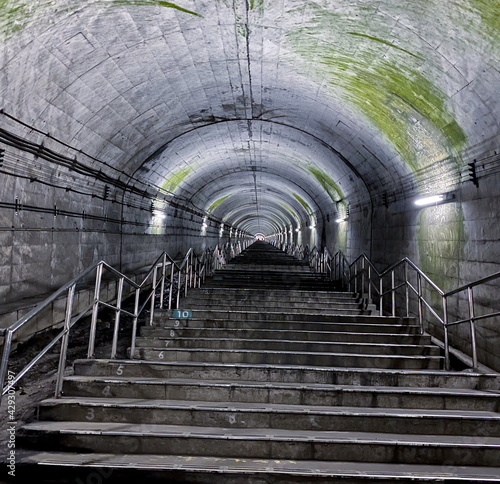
(160, 355)
(107, 391)
(119, 370)
(90, 414)
(172, 333)
(167, 343)
(177, 323)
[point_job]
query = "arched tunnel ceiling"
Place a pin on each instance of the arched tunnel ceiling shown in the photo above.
(280, 100)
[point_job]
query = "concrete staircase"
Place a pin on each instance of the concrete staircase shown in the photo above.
(275, 378)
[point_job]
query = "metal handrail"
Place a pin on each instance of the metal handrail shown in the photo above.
(364, 278)
(190, 273)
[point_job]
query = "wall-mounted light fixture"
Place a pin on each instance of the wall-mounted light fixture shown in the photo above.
(340, 220)
(429, 200)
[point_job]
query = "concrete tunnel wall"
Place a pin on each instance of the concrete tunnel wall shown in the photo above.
(264, 116)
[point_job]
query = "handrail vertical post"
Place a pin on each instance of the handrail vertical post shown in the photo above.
(179, 282)
(381, 296)
(153, 297)
(134, 322)
(370, 283)
(163, 276)
(117, 317)
(171, 288)
(95, 311)
(191, 264)
(447, 365)
(393, 292)
(407, 291)
(420, 304)
(363, 276)
(472, 327)
(356, 278)
(188, 277)
(65, 340)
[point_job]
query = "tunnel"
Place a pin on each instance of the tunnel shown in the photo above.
(129, 127)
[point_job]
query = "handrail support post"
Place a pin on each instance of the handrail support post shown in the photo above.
(65, 340)
(119, 297)
(95, 311)
(470, 295)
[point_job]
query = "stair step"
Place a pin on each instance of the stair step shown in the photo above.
(299, 335)
(280, 357)
(128, 468)
(282, 393)
(259, 344)
(288, 374)
(273, 306)
(263, 443)
(264, 293)
(268, 415)
(327, 326)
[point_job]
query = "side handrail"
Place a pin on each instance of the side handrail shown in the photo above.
(363, 278)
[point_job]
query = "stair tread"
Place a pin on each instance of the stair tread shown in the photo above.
(272, 408)
(165, 430)
(281, 331)
(290, 341)
(283, 352)
(390, 371)
(286, 385)
(223, 465)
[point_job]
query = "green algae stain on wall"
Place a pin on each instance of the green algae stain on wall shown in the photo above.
(17, 15)
(441, 240)
(327, 183)
(306, 206)
(176, 178)
(383, 81)
(152, 3)
(217, 203)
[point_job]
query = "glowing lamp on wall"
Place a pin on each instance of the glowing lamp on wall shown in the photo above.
(430, 200)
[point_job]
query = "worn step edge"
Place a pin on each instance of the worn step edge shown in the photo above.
(440, 378)
(237, 468)
(273, 408)
(435, 391)
(316, 436)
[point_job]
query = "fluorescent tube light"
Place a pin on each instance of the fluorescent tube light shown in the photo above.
(430, 200)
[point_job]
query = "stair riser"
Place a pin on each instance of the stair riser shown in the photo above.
(293, 325)
(285, 396)
(270, 306)
(290, 421)
(274, 316)
(263, 345)
(265, 284)
(276, 358)
(336, 376)
(271, 294)
(297, 336)
(269, 301)
(354, 321)
(267, 448)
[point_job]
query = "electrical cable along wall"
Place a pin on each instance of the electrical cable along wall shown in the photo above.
(62, 210)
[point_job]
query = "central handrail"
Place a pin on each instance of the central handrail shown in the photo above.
(190, 273)
(364, 279)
